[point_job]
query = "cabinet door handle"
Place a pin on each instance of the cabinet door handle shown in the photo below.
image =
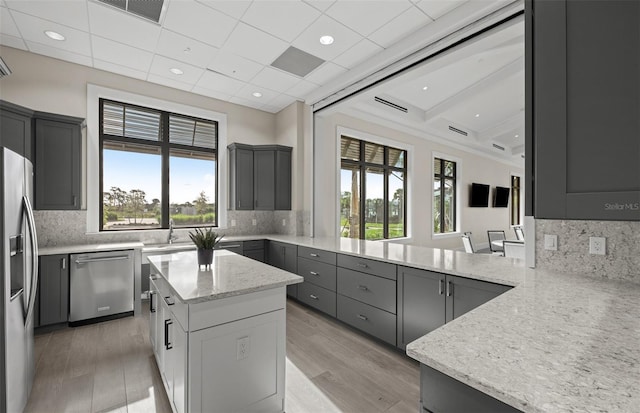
(314, 273)
(314, 254)
(363, 288)
(315, 297)
(63, 263)
(440, 286)
(152, 309)
(167, 344)
(362, 265)
(362, 317)
(169, 301)
(449, 289)
(153, 277)
(74, 199)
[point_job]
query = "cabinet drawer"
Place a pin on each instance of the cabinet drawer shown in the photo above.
(318, 273)
(178, 308)
(369, 319)
(376, 291)
(231, 246)
(382, 269)
(318, 297)
(317, 255)
(253, 245)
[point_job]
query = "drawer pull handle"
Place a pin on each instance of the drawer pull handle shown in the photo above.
(314, 273)
(449, 289)
(440, 286)
(362, 264)
(169, 300)
(314, 255)
(363, 288)
(314, 297)
(362, 317)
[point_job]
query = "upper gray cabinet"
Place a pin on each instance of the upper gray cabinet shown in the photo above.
(259, 177)
(583, 109)
(15, 129)
(58, 156)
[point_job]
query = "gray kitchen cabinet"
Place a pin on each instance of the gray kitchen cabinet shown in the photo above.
(264, 178)
(15, 129)
(465, 294)
(285, 257)
(582, 131)
(53, 289)
(233, 246)
(283, 178)
(254, 249)
(240, 177)
(58, 155)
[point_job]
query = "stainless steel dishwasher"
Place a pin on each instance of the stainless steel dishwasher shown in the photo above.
(101, 284)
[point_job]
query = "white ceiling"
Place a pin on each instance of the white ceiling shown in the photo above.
(224, 47)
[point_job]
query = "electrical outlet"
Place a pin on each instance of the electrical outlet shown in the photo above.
(597, 245)
(254, 222)
(550, 242)
(284, 222)
(243, 346)
(233, 222)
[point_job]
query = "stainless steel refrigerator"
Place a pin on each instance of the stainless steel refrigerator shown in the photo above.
(19, 262)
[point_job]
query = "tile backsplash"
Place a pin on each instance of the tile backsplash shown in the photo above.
(622, 258)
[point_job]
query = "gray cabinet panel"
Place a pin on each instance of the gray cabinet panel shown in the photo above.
(317, 255)
(257, 255)
(370, 289)
(379, 268)
(318, 298)
(253, 245)
(54, 289)
(58, 146)
(283, 179)
(317, 273)
(264, 169)
(464, 294)
(371, 320)
(231, 246)
(240, 177)
(15, 129)
(284, 256)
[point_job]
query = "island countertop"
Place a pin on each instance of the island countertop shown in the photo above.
(230, 275)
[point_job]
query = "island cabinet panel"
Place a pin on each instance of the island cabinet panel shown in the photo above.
(284, 256)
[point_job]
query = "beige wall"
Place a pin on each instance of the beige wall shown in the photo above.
(472, 168)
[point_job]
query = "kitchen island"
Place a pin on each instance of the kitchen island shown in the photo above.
(219, 334)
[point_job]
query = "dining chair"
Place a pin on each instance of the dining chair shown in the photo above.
(468, 244)
(496, 239)
(519, 233)
(513, 249)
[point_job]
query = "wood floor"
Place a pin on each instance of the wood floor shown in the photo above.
(109, 367)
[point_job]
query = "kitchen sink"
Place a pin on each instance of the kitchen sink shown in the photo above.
(156, 249)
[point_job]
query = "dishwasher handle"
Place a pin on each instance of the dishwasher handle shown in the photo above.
(90, 260)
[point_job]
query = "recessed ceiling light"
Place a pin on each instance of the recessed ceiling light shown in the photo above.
(54, 35)
(477, 115)
(425, 87)
(257, 94)
(176, 71)
(517, 136)
(326, 40)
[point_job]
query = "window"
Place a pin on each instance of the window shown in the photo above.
(515, 200)
(372, 190)
(444, 196)
(156, 166)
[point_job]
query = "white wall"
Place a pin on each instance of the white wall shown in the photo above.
(472, 168)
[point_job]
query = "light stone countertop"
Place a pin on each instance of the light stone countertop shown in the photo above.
(230, 275)
(84, 248)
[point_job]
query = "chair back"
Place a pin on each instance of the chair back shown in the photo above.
(468, 245)
(519, 233)
(513, 249)
(495, 236)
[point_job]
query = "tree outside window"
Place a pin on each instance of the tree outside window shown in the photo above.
(444, 196)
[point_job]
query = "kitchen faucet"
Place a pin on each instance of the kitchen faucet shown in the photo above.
(171, 238)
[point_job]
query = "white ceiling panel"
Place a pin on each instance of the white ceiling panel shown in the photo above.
(11, 41)
(321, 5)
(199, 22)
(233, 8)
(122, 27)
(403, 25)
(168, 82)
(7, 25)
(120, 70)
(246, 92)
(365, 17)
(161, 66)
(438, 8)
(246, 102)
(219, 83)
(254, 44)
(121, 54)
(285, 19)
(358, 53)
(275, 79)
(71, 13)
(279, 102)
(302, 89)
(56, 53)
(211, 93)
(344, 38)
(325, 73)
(235, 66)
(185, 49)
(33, 28)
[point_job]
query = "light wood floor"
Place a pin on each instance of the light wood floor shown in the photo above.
(109, 367)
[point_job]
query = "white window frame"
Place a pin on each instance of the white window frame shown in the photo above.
(458, 211)
(94, 94)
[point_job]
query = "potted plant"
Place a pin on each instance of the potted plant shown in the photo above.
(205, 241)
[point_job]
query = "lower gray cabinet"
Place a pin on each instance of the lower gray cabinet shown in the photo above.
(317, 297)
(284, 256)
(53, 289)
(371, 320)
(464, 294)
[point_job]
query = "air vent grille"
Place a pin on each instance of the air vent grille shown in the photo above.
(498, 147)
(297, 62)
(456, 130)
(4, 69)
(149, 9)
(391, 105)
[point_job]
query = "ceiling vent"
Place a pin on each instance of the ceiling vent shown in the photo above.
(4, 69)
(498, 147)
(456, 130)
(148, 9)
(391, 105)
(297, 62)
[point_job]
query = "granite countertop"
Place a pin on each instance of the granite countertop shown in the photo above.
(230, 275)
(83, 248)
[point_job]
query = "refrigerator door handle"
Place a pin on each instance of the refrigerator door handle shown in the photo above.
(28, 210)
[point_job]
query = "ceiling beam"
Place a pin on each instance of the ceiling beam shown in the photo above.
(514, 122)
(517, 150)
